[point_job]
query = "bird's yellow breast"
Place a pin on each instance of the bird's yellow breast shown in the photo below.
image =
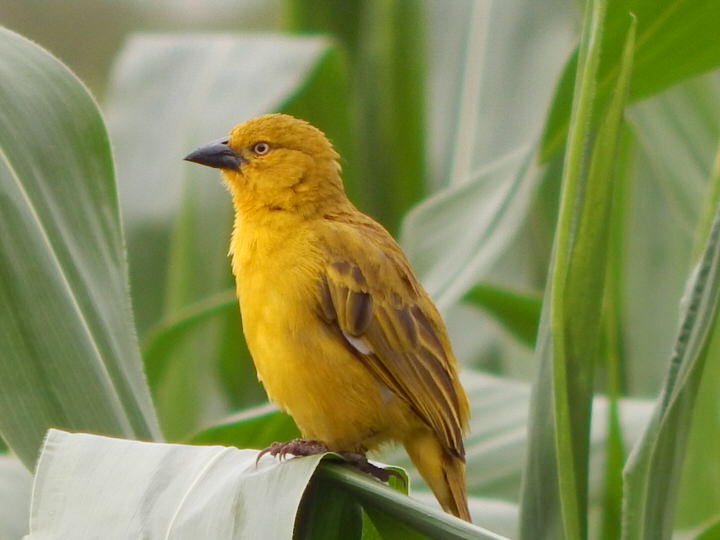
(304, 364)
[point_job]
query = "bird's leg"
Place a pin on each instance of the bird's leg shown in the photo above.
(311, 447)
(296, 447)
(360, 461)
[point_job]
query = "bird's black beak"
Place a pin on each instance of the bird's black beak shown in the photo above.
(217, 154)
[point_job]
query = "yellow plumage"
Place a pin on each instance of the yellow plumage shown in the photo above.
(342, 335)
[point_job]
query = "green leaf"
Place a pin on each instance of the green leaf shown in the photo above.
(15, 487)
(254, 428)
(455, 236)
(676, 39)
(389, 528)
(96, 487)
(425, 519)
(187, 90)
(496, 515)
(568, 345)
(699, 499)
(698, 496)
(611, 352)
(100, 487)
(653, 470)
(328, 513)
(517, 312)
(70, 355)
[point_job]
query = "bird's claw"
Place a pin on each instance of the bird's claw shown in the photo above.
(311, 447)
(296, 447)
(360, 461)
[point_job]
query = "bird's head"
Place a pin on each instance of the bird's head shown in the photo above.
(275, 161)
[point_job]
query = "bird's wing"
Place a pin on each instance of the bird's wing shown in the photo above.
(372, 296)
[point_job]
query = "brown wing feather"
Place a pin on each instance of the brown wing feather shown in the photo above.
(393, 327)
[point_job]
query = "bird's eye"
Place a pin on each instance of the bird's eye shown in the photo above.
(261, 148)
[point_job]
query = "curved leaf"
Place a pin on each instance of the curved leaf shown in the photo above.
(96, 487)
(453, 238)
(89, 486)
(70, 356)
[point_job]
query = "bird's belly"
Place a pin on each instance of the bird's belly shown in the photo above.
(310, 373)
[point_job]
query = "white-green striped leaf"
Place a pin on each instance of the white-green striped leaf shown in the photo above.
(70, 356)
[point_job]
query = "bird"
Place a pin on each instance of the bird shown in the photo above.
(343, 336)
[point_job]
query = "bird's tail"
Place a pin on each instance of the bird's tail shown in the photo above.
(444, 472)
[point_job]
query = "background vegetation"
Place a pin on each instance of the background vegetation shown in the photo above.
(551, 169)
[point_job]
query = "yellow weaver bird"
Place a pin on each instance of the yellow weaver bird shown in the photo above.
(343, 337)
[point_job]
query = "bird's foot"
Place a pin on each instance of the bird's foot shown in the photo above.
(360, 461)
(296, 447)
(311, 447)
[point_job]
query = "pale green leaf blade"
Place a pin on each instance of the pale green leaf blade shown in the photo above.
(15, 488)
(653, 470)
(454, 237)
(554, 493)
(96, 487)
(698, 498)
(70, 354)
(89, 486)
(495, 66)
(576, 294)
